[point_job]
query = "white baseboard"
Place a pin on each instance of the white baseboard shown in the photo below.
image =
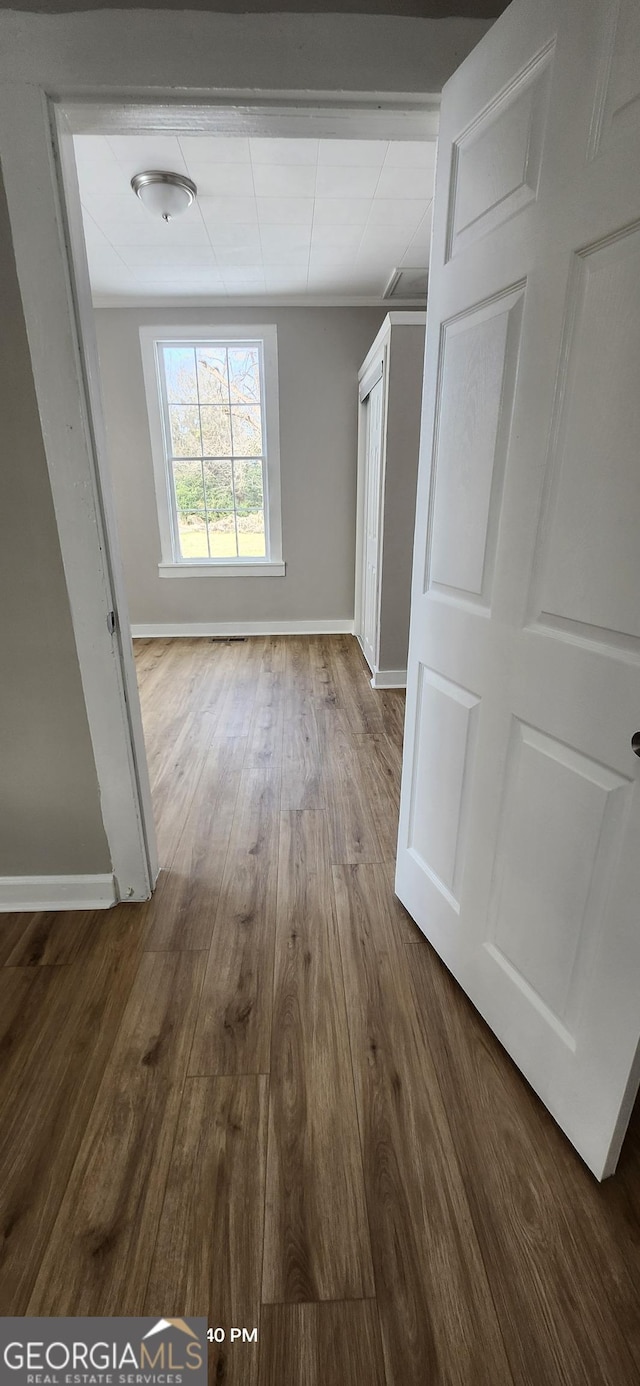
(230, 628)
(389, 678)
(31, 893)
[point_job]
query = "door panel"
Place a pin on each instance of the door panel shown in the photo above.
(446, 716)
(594, 508)
(558, 835)
(617, 110)
(477, 367)
(496, 160)
(520, 808)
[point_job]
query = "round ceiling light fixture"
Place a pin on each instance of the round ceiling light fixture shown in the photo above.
(164, 194)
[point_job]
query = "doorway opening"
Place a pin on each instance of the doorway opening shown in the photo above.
(272, 283)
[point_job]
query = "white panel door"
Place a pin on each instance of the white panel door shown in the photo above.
(372, 510)
(519, 844)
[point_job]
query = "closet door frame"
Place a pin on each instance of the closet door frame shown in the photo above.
(375, 368)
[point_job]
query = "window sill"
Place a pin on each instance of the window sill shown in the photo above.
(256, 567)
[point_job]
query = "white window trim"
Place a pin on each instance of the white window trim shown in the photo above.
(172, 565)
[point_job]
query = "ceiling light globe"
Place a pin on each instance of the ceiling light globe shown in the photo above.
(165, 195)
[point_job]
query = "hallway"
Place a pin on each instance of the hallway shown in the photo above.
(259, 1097)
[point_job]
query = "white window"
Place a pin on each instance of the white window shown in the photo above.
(212, 399)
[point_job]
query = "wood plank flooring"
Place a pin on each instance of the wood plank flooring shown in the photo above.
(260, 1097)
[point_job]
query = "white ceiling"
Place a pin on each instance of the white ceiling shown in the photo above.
(273, 217)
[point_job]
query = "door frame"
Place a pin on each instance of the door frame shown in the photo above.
(373, 369)
(377, 359)
(37, 123)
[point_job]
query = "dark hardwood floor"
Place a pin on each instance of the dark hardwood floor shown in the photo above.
(260, 1097)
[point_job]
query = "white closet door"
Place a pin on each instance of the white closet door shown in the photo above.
(372, 519)
(520, 818)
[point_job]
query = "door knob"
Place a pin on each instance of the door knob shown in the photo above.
(635, 743)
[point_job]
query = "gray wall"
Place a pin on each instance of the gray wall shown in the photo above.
(319, 353)
(50, 820)
(166, 50)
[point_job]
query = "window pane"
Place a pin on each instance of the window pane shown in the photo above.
(250, 509)
(218, 487)
(247, 430)
(185, 430)
(219, 493)
(248, 483)
(189, 492)
(251, 540)
(212, 375)
(180, 374)
(216, 430)
(192, 530)
(222, 535)
(187, 480)
(244, 375)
